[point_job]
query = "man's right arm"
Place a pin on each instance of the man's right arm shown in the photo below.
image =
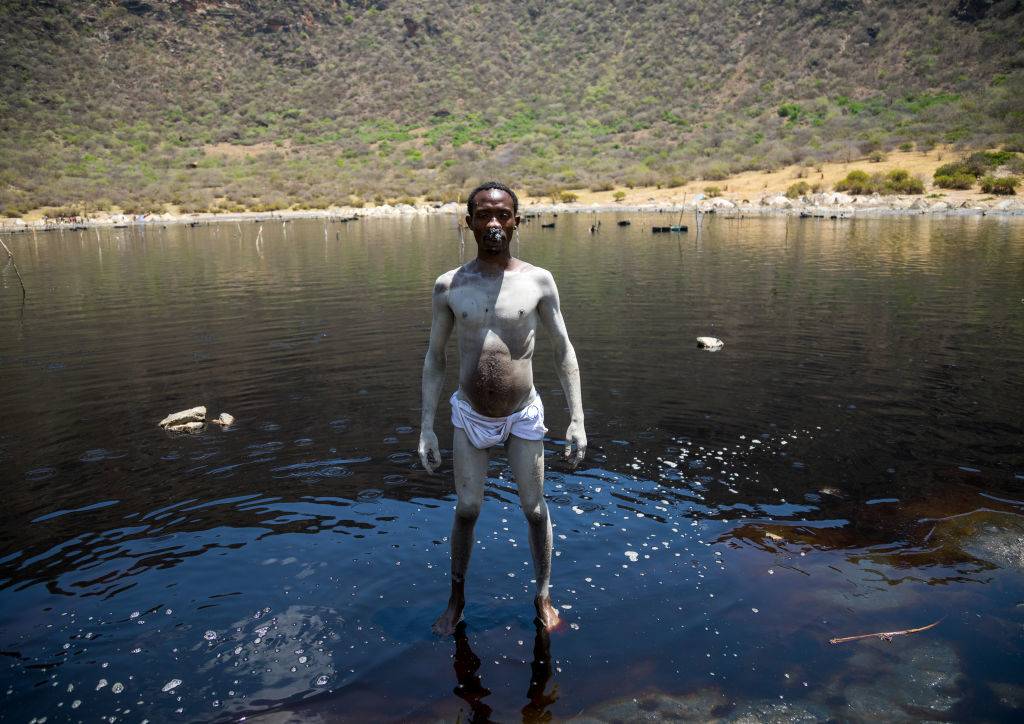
(434, 364)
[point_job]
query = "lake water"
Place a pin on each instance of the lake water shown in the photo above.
(850, 462)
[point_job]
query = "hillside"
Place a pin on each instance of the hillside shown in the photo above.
(265, 105)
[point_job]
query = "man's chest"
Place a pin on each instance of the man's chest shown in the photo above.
(509, 304)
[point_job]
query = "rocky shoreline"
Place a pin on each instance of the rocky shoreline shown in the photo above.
(829, 205)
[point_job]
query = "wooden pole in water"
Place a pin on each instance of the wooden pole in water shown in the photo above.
(16, 270)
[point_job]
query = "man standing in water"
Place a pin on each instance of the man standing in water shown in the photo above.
(495, 302)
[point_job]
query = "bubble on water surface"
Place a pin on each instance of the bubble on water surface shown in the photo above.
(117, 688)
(369, 495)
(210, 635)
(171, 685)
(100, 684)
(321, 680)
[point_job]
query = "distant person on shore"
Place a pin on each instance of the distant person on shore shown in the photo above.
(495, 303)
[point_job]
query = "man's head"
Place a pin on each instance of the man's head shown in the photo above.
(492, 207)
(487, 186)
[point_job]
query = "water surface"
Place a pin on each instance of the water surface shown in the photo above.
(849, 462)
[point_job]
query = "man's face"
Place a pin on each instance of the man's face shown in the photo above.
(492, 210)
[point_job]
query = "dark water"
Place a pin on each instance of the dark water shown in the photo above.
(850, 462)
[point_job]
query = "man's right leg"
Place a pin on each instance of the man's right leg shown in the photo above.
(470, 475)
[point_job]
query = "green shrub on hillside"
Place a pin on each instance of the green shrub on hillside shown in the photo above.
(955, 181)
(1003, 185)
(712, 191)
(857, 182)
(897, 181)
(797, 190)
(619, 196)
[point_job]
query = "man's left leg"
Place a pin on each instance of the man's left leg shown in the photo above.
(527, 460)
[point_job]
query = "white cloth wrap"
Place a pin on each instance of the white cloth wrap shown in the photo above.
(484, 432)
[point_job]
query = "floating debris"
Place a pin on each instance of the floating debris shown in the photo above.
(171, 685)
(884, 635)
(711, 344)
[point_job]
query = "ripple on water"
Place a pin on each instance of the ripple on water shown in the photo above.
(95, 455)
(390, 440)
(270, 427)
(342, 424)
(394, 479)
(400, 457)
(403, 429)
(561, 500)
(334, 471)
(370, 495)
(171, 456)
(37, 474)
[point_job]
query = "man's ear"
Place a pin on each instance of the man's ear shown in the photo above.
(469, 221)
(517, 222)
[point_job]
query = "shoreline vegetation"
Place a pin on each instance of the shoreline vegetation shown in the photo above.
(901, 183)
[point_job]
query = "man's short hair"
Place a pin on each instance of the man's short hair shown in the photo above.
(487, 186)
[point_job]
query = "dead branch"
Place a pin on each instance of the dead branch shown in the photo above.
(884, 635)
(16, 270)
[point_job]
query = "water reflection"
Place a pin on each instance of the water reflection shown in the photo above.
(471, 689)
(849, 462)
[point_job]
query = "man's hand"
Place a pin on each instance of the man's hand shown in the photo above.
(576, 437)
(430, 454)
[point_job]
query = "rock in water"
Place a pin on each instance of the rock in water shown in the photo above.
(711, 344)
(194, 414)
(224, 420)
(186, 427)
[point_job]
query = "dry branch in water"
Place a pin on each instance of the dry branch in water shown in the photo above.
(15, 264)
(884, 635)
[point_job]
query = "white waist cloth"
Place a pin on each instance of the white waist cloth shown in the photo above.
(484, 432)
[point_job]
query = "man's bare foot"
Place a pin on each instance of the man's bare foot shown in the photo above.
(546, 613)
(447, 621)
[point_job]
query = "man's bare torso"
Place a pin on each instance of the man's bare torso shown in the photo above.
(496, 317)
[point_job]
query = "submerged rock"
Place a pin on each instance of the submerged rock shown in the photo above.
(656, 707)
(905, 681)
(988, 535)
(778, 712)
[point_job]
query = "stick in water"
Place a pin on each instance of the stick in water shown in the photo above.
(16, 270)
(884, 635)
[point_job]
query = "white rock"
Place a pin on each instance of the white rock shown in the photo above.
(711, 344)
(778, 201)
(193, 414)
(187, 427)
(225, 419)
(939, 206)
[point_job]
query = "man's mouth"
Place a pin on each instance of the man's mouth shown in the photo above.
(494, 236)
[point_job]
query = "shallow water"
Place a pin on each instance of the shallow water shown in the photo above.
(850, 462)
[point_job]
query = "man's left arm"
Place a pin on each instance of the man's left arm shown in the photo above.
(550, 313)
